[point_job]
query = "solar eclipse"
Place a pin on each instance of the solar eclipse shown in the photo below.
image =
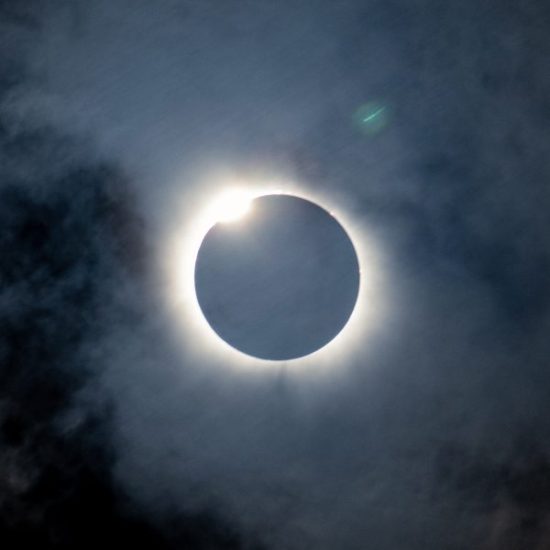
(192, 277)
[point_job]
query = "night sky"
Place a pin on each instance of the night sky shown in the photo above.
(425, 124)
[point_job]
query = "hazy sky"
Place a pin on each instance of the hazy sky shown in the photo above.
(119, 117)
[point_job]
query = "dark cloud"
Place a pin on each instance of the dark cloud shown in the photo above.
(67, 234)
(509, 492)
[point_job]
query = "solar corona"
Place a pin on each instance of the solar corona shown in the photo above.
(265, 276)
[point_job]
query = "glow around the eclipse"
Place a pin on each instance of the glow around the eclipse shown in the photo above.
(231, 203)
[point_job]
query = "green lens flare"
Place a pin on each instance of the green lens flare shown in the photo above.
(371, 118)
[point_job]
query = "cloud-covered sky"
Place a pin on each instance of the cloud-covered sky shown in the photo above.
(432, 432)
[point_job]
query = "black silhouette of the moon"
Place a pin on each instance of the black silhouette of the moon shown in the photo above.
(281, 282)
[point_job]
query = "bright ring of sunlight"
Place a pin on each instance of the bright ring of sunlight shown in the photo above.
(230, 206)
(234, 207)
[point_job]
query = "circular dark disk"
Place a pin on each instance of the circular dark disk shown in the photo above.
(281, 282)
